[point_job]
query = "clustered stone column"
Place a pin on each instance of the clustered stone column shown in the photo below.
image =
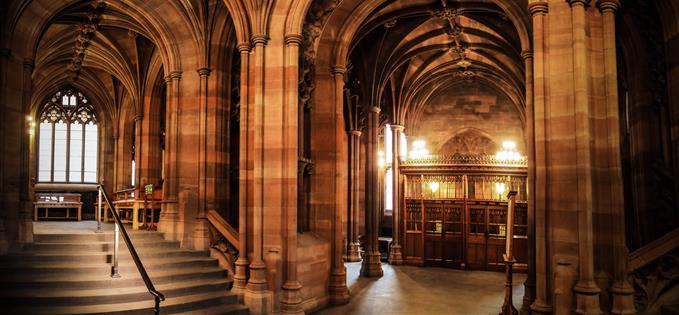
(138, 128)
(529, 284)
(291, 301)
(542, 303)
(338, 291)
(201, 230)
(621, 290)
(586, 290)
(257, 284)
(26, 171)
(170, 212)
(353, 250)
(240, 278)
(372, 267)
(395, 254)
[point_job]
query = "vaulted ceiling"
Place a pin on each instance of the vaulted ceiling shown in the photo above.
(409, 51)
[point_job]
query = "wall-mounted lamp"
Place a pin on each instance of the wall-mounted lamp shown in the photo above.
(381, 162)
(31, 125)
(500, 188)
(419, 150)
(508, 152)
(434, 186)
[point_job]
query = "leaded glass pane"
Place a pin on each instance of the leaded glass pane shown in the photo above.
(45, 153)
(91, 137)
(60, 130)
(76, 154)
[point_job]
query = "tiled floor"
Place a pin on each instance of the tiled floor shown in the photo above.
(408, 290)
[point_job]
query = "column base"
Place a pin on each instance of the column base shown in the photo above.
(240, 278)
(258, 302)
(395, 255)
(372, 266)
(201, 237)
(291, 302)
(587, 298)
(26, 222)
(622, 296)
(337, 290)
(167, 223)
(540, 307)
(353, 252)
(528, 298)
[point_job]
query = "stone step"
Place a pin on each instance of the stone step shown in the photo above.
(106, 295)
(94, 281)
(172, 305)
(95, 237)
(124, 266)
(97, 257)
(232, 309)
(97, 246)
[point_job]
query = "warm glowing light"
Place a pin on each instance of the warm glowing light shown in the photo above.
(434, 186)
(31, 125)
(508, 152)
(500, 188)
(381, 162)
(419, 150)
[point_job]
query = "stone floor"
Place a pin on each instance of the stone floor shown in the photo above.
(410, 290)
(71, 227)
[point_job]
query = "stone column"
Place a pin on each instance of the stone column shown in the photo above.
(139, 166)
(542, 303)
(4, 238)
(169, 214)
(26, 173)
(240, 279)
(372, 267)
(201, 230)
(291, 300)
(529, 284)
(586, 290)
(353, 250)
(256, 294)
(339, 293)
(621, 290)
(395, 255)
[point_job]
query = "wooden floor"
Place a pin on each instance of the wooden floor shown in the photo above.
(409, 290)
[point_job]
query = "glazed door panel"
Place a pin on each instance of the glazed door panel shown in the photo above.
(453, 242)
(497, 235)
(476, 238)
(433, 232)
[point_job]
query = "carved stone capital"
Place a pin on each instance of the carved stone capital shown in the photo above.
(526, 54)
(138, 118)
(356, 133)
(176, 75)
(573, 3)
(339, 69)
(373, 109)
(204, 72)
(168, 79)
(294, 39)
(540, 7)
(29, 63)
(260, 39)
(397, 127)
(608, 5)
(244, 48)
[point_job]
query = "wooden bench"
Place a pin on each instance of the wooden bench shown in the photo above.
(64, 201)
(136, 207)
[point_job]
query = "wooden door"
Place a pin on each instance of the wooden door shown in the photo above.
(476, 237)
(412, 249)
(496, 236)
(433, 233)
(453, 243)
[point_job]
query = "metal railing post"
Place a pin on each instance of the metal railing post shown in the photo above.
(99, 212)
(114, 268)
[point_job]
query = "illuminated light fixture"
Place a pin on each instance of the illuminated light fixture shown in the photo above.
(508, 152)
(434, 186)
(419, 150)
(381, 162)
(31, 125)
(500, 188)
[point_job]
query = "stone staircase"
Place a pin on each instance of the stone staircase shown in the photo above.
(70, 274)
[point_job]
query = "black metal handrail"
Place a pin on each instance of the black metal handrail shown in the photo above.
(142, 271)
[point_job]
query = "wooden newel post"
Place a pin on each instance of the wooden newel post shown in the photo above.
(508, 306)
